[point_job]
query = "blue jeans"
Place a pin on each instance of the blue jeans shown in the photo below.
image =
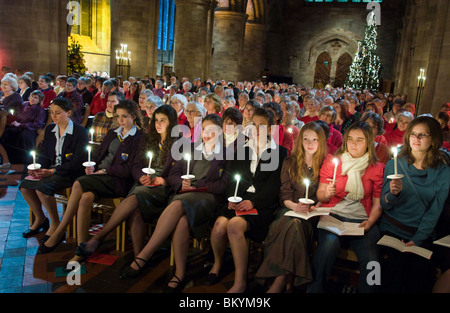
(365, 248)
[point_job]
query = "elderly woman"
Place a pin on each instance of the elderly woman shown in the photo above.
(49, 94)
(25, 89)
(195, 112)
(289, 118)
(213, 104)
(151, 104)
(11, 100)
(172, 91)
(20, 136)
(83, 91)
(396, 131)
(179, 102)
(229, 102)
(70, 92)
(376, 123)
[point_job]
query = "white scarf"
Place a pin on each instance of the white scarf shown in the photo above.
(352, 167)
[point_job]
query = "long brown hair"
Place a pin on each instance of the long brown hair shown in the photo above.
(367, 130)
(296, 167)
(433, 156)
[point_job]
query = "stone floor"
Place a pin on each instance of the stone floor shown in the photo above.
(24, 271)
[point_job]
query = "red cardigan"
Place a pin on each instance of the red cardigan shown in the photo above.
(372, 182)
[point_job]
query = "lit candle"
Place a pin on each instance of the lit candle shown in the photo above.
(187, 157)
(238, 178)
(394, 151)
(391, 120)
(88, 148)
(335, 161)
(33, 154)
(306, 181)
(92, 134)
(150, 155)
(11, 111)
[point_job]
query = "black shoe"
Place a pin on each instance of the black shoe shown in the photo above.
(212, 279)
(129, 272)
(44, 239)
(177, 289)
(31, 232)
(81, 250)
(43, 249)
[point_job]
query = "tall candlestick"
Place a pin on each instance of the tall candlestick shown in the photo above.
(238, 178)
(335, 161)
(187, 157)
(306, 181)
(394, 151)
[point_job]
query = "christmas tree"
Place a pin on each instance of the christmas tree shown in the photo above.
(75, 58)
(365, 69)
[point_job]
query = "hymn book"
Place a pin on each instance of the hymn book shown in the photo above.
(445, 241)
(340, 228)
(397, 244)
(306, 215)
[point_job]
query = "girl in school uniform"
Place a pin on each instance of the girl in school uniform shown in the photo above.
(61, 158)
(117, 167)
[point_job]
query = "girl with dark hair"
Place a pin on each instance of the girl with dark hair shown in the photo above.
(189, 212)
(259, 173)
(354, 197)
(412, 206)
(144, 204)
(117, 167)
(61, 158)
(133, 93)
(289, 243)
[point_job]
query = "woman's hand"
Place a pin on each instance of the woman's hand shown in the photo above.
(410, 244)
(42, 173)
(186, 185)
(330, 190)
(367, 225)
(89, 170)
(159, 181)
(396, 186)
(232, 206)
(145, 180)
(245, 205)
(301, 208)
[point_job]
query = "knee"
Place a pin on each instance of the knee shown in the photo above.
(87, 198)
(236, 227)
(220, 227)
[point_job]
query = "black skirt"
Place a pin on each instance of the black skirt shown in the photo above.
(101, 185)
(49, 185)
(151, 200)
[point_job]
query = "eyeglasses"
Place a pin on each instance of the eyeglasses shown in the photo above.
(419, 136)
(190, 112)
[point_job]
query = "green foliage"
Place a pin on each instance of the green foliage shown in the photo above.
(75, 58)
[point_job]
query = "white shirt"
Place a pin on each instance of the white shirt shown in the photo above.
(255, 158)
(131, 132)
(60, 140)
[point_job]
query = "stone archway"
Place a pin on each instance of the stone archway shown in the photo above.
(322, 70)
(342, 69)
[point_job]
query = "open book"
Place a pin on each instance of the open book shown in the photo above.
(397, 244)
(445, 241)
(340, 228)
(306, 215)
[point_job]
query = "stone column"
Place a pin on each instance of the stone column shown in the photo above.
(228, 43)
(193, 38)
(254, 59)
(38, 43)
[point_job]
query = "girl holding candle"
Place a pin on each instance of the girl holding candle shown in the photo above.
(412, 206)
(189, 212)
(259, 188)
(117, 166)
(289, 242)
(144, 204)
(61, 158)
(355, 197)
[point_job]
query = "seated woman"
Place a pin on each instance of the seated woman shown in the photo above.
(280, 134)
(117, 166)
(213, 104)
(250, 107)
(144, 94)
(25, 82)
(312, 108)
(189, 212)
(328, 115)
(104, 121)
(150, 105)
(232, 129)
(195, 112)
(290, 240)
(11, 100)
(259, 189)
(70, 92)
(19, 137)
(343, 121)
(376, 123)
(179, 102)
(289, 118)
(144, 204)
(412, 206)
(396, 131)
(355, 197)
(63, 153)
(133, 93)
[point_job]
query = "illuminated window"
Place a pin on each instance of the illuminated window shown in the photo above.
(85, 29)
(166, 32)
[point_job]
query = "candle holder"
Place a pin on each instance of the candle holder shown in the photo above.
(34, 166)
(420, 86)
(123, 61)
(89, 164)
(148, 171)
(235, 199)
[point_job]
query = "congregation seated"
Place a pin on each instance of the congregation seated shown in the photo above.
(104, 121)
(75, 98)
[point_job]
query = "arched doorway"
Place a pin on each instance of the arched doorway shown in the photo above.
(322, 71)
(342, 69)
